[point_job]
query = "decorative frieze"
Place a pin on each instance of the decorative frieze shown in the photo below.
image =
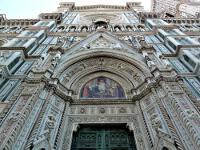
(119, 109)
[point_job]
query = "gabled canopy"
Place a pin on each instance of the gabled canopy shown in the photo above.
(101, 43)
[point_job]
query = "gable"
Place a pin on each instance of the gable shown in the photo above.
(100, 44)
(104, 41)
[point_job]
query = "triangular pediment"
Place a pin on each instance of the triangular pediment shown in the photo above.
(101, 40)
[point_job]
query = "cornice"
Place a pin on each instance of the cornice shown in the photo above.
(20, 48)
(19, 22)
(9, 35)
(50, 84)
(102, 101)
(79, 8)
(139, 94)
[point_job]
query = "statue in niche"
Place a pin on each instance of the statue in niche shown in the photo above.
(156, 121)
(102, 87)
(50, 123)
(60, 41)
(55, 59)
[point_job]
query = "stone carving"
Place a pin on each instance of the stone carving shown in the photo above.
(15, 116)
(29, 90)
(137, 77)
(75, 70)
(149, 62)
(60, 41)
(82, 110)
(174, 87)
(194, 117)
(183, 107)
(51, 122)
(14, 123)
(101, 63)
(19, 144)
(156, 121)
(122, 110)
(55, 59)
(102, 110)
(101, 42)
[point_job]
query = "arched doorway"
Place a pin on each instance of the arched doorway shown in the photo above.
(103, 137)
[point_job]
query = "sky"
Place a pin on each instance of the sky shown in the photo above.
(32, 8)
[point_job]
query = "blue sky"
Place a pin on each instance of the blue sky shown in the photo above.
(32, 8)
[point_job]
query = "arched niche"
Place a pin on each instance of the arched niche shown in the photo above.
(101, 24)
(102, 88)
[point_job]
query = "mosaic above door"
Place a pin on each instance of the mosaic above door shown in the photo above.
(102, 87)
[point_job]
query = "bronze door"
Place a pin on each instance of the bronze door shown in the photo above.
(101, 137)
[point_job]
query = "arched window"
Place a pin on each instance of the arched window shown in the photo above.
(102, 87)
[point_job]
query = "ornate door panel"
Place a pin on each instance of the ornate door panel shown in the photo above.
(103, 138)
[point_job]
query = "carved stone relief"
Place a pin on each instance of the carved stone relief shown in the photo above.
(29, 90)
(14, 122)
(174, 87)
(96, 64)
(103, 43)
(177, 120)
(51, 119)
(19, 144)
(153, 116)
(102, 109)
(187, 108)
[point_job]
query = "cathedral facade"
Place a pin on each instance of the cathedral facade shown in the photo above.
(100, 77)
